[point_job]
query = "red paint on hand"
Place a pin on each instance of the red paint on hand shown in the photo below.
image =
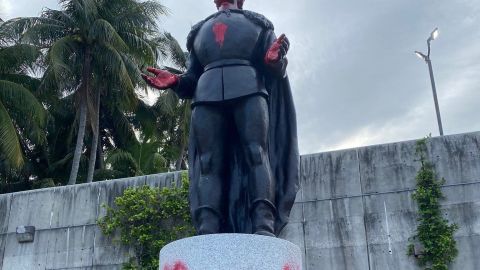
(219, 29)
(162, 80)
(273, 54)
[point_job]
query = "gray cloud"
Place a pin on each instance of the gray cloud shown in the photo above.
(23, 8)
(355, 78)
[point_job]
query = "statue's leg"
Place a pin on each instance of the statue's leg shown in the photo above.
(252, 121)
(208, 123)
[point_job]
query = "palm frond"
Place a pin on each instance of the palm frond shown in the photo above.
(45, 34)
(102, 31)
(167, 102)
(60, 57)
(9, 144)
(21, 100)
(12, 30)
(121, 160)
(18, 58)
(23, 80)
(175, 51)
(63, 162)
(83, 12)
(123, 128)
(112, 61)
(127, 15)
(58, 15)
(139, 47)
(147, 118)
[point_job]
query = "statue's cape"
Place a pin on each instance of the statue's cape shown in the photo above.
(284, 161)
(283, 154)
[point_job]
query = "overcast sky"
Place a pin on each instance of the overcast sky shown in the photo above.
(355, 78)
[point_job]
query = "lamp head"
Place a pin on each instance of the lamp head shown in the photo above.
(434, 34)
(421, 55)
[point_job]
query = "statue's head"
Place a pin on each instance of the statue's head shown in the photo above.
(238, 3)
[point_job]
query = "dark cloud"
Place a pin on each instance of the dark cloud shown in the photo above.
(356, 80)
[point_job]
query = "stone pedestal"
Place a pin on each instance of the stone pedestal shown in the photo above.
(231, 252)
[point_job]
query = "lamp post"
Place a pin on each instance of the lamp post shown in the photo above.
(427, 59)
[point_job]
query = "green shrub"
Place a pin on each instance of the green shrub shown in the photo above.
(434, 232)
(147, 219)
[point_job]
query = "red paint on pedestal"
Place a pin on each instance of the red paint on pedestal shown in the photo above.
(291, 266)
(219, 29)
(178, 265)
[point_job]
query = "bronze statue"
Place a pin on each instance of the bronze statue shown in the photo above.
(243, 152)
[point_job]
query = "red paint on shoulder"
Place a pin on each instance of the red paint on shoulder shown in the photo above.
(219, 29)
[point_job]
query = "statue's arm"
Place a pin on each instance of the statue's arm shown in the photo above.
(187, 82)
(275, 52)
(183, 85)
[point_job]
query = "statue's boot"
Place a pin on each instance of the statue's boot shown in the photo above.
(209, 220)
(263, 218)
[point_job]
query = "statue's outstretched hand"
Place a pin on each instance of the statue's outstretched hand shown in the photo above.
(278, 50)
(162, 80)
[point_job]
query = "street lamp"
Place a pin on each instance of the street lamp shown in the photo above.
(427, 59)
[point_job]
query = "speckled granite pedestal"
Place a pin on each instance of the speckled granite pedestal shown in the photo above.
(231, 252)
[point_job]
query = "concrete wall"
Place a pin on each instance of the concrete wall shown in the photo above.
(354, 211)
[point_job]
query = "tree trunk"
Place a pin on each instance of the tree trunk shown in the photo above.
(84, 90)
(79, 146)
(178, 165)
(93, 148)
(183, 136)
(100, 159)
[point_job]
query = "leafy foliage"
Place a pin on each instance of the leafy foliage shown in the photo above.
(94, 51)
(434, 232)
(147, 219)
(22, 116)
(88, 54)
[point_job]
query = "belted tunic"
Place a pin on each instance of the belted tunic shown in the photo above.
(226, 58)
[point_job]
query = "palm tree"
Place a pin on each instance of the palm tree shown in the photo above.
(148, 139)
(92, 43)
(178, 110)
(22, 116)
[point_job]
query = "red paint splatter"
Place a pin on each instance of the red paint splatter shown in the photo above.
(219, 29)
(178, 265)
(227, 3)
(291, 266)
(273, 54)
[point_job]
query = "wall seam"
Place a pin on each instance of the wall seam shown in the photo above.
(303, 216)
(6, 233)
(97, 210)
(364, 210)
(52, 196)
